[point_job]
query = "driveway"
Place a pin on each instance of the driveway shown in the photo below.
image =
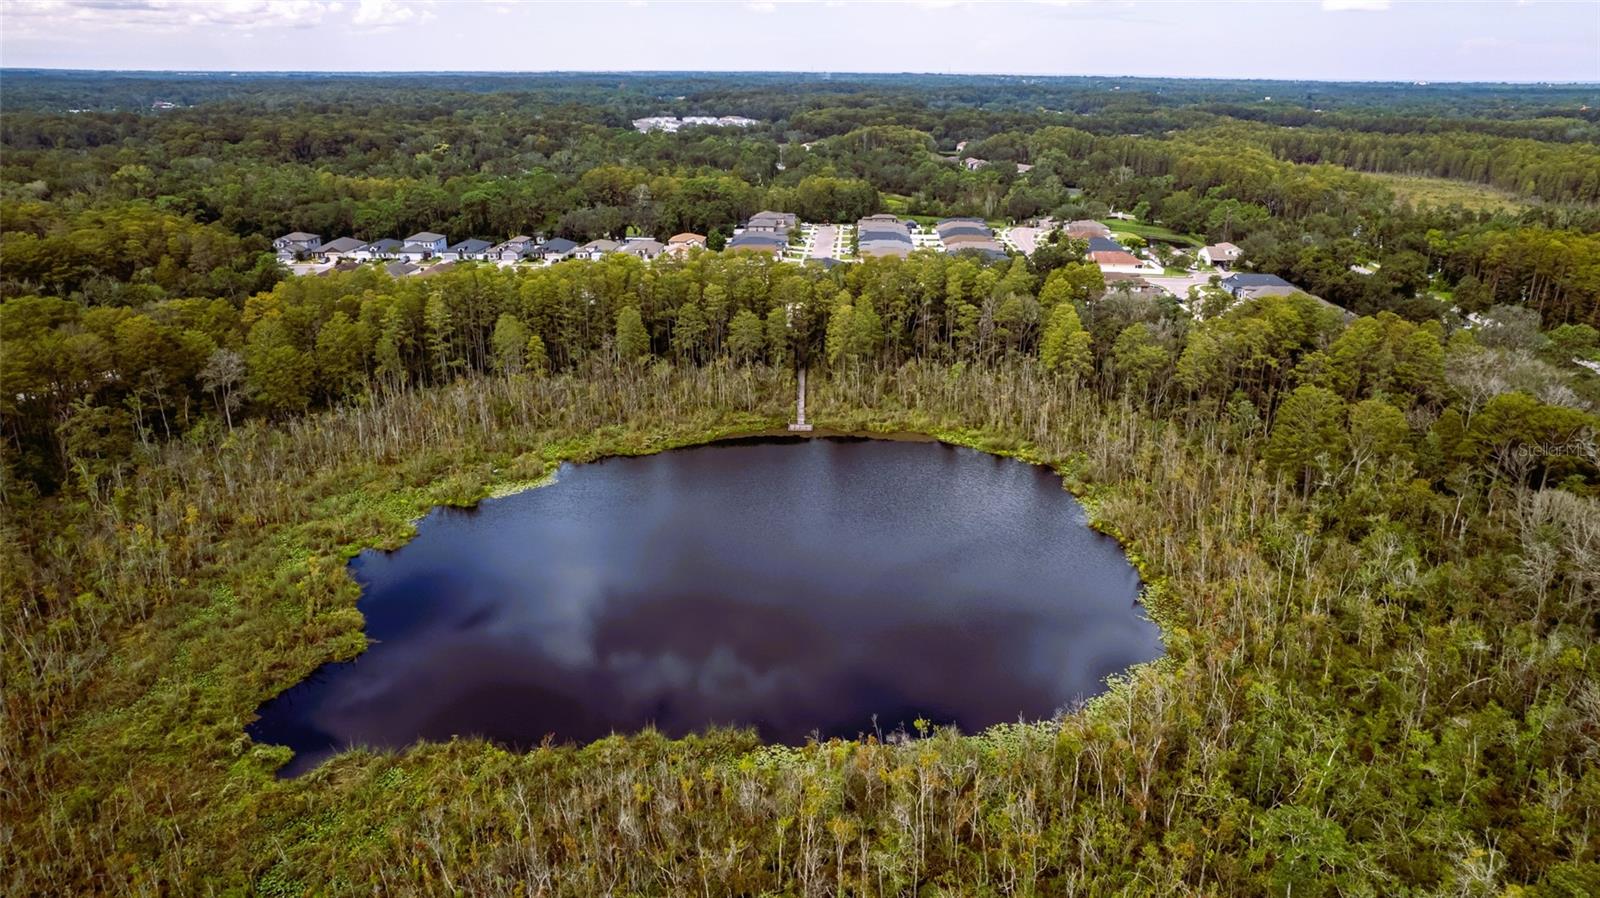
(823, 240)
(1178, 285)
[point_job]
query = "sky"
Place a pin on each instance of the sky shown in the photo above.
(1357, 40)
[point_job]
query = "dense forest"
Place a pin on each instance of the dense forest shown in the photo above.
(1368, 519)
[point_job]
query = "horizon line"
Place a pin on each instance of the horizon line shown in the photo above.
(1415, 82)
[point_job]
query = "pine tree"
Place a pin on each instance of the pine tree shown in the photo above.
(1065, 348)
(510, 342)
(689, 331)
(439, 334)
(339, 356)
(633, 342)
(865, 331)
(535, 360)
(777, 328)
(1309, 426)
(746, 336)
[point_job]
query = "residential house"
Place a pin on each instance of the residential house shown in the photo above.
(1133, 285)
(1085, 228)
(554, 250)
(516, 249)
(424, 245)
(961, 234)
(594, 249)
(973, 163)
(401, 268)
(883, 235)
(1222, 255)
(1105, 245)
(773, 222)
(680, 244)
(298, 245)
(1253, 286)
(759, 241)
(1123, 262)
(466, 251)
(387, 248)
(643, 247)
(343, 248)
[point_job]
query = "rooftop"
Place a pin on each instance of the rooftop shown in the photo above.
(1114, 258)
(1247, 279)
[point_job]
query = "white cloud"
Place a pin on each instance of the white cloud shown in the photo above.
(383, 12)
(762, 7)
(1354, 5)
(47, 16)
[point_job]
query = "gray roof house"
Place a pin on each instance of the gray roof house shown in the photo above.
(772, 222)
(297, 244)
(883, 235)
(1250, 286)
(466, 250)
(425, 243)
(387, 248)
(759, 242)
(514, 250)
(400, 268)
(556, 249)
(594, 249)
(643, 247)
(968, 234)
(343, 246)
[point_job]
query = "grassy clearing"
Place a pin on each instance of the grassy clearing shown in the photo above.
(1421, 191)
(1155, 232)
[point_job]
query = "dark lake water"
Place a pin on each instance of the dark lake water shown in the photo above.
(800, 586)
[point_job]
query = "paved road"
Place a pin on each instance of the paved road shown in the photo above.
(1025, 239)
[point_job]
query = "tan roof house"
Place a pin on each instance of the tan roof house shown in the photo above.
(680, 244)
(1085, 228)
(1221, 255)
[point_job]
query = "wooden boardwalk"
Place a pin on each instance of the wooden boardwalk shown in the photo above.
(799, 423)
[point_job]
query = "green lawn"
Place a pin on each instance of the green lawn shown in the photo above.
(1154, 232)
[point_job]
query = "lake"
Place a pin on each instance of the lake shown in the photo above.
(807, 587)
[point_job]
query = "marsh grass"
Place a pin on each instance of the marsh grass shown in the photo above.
(1304, 733)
